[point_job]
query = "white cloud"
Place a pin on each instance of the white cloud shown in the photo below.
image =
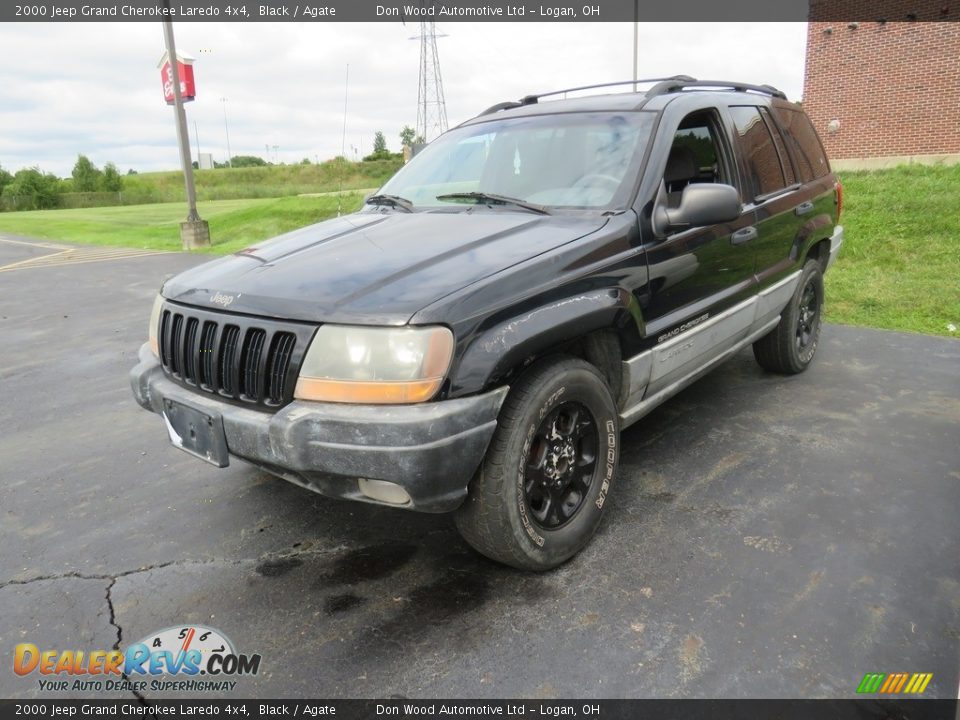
(95, 89)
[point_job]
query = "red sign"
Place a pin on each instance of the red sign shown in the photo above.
(188, 90)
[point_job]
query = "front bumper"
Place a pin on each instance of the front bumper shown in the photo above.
(836, 242)
(431, 450)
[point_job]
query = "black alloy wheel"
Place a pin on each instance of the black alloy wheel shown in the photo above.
(791, 345)
(808, 315)
(561, 465)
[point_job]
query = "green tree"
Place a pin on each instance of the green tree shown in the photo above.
(86, 175)
(407, 135)
(33, 189)
(111, 180)
(5, 179)
(247, 161)
(379, 144)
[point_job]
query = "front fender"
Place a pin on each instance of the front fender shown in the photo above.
(505, 345)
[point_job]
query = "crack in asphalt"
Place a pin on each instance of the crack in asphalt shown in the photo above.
(116, 576)
(119, 641)
(175, 563)
(111, 580)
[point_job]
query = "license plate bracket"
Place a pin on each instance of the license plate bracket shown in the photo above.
(197, 432)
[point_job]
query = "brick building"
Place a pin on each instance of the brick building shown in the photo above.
(885, 91)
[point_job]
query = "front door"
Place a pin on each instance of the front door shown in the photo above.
(698, 274)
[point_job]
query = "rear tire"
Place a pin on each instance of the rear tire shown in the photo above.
(789, 348)
(539, 494)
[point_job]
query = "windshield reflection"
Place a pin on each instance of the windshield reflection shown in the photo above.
(571, 160)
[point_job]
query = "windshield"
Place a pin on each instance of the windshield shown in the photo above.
(572, 160)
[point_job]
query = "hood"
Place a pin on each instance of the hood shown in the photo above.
(373, 268)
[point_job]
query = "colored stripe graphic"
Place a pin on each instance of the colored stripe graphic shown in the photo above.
(870, 683)
(894, 683)
(900, 683)
(890, 682)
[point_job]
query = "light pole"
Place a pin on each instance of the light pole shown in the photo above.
(636, 31)
(343, 139)
(226, 128)
(194, 232)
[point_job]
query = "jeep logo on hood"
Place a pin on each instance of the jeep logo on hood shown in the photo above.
(221, 299)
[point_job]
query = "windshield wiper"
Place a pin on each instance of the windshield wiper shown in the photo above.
(391, 200)
(494, 198)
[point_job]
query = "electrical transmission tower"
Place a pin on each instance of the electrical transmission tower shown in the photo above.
(431, 106)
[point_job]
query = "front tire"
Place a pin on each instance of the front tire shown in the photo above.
(539, 494)
(789, 348)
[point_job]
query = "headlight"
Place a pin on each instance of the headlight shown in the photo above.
(375, 365)
(154, 325)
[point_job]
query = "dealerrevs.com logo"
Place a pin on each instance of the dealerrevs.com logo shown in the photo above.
(182, 659)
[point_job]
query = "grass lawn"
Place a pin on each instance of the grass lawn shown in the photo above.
(234, 224)
(899, 268)
(273, 181)
(900, 264)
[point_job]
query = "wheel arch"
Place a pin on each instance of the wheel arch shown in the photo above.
(819, 250)
(597, 326)
(809, 237)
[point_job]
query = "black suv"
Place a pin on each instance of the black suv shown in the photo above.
(531, 283)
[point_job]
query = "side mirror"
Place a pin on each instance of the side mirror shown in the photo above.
(700, 204)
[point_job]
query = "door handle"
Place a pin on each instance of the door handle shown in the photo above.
(803, 208)
(743, 235)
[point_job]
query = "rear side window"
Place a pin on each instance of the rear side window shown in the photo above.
(801, 138)
(764, 172)
(785, 163)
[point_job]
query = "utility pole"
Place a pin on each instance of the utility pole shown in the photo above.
(196, 137)
(226, 129)
(343, 140)
(636, 31)
(194, 232)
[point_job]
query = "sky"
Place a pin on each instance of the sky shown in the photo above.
(94, 88)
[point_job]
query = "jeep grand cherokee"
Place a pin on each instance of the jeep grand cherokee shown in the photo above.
(540, 277)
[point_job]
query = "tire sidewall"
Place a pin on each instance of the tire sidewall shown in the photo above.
(811, 274)
(581, 384)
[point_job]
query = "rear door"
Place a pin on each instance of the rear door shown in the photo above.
(770, 189)
(816, 198)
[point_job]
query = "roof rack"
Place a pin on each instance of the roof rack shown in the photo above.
(662, 87)
(531, 99)
(508, 105)
(676, 85)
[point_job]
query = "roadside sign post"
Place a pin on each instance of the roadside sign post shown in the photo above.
(194, 232)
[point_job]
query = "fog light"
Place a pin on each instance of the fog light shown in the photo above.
(384, 491)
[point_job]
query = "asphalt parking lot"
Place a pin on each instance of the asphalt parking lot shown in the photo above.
(768, 536)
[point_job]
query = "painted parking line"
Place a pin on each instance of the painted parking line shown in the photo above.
(76, 256)
(33, 243)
